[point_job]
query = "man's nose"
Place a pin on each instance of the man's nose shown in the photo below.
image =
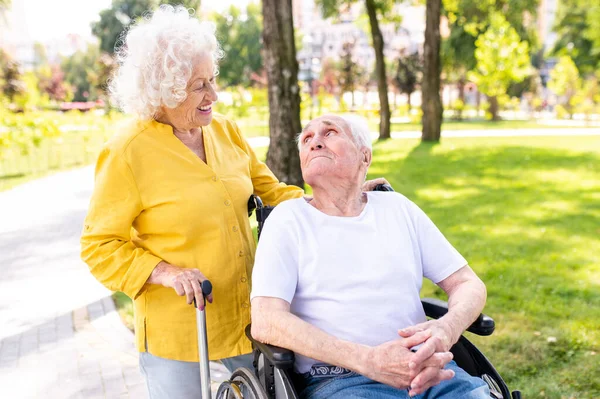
(316, 144)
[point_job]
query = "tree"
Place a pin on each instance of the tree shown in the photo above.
(407, 74)
(350, 71)
(52, 83)
(430, 86)
(81, 73)
(564, 82)
(284, 94)
(375, 9)
(578, 33)
(468, 19)
(502, 58)
(11, 83)
(239, 35)
(115, 20)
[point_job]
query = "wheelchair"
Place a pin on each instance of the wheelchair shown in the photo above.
(272, 377)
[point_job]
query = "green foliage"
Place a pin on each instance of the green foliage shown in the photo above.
(81, 72)
(578, 29)
(36, 143)
(30, 98)
(565, 82)
(52, 83)
(11, 83)
(240, 35)
(114, 20)
(502, 58)
(351, 73)
(407, 73)
(468, 19)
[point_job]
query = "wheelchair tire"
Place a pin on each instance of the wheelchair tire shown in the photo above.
(241, 381)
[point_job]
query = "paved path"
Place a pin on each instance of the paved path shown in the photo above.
(60, 336)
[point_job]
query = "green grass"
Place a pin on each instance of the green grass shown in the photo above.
(525, 212)
(124, 306)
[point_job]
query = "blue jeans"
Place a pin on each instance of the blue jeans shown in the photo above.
(167, 378)
(351, 385)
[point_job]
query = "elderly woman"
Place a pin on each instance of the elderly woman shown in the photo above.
(336, 277)
(169, 207)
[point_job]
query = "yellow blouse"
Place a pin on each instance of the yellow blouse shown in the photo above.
(154, 200)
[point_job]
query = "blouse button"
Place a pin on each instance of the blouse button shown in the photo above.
(245, 305)
(227, 202)
(243, 279)
(235, 228)
(241, 253)
(214, 178)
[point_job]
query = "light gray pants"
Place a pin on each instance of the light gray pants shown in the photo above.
(168, 379)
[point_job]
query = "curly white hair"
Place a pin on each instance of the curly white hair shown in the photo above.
(156, 58)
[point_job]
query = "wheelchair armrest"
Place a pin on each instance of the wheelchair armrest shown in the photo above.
(435, 308)
(279, 357)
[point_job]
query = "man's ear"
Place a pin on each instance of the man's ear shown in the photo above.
(367, 156)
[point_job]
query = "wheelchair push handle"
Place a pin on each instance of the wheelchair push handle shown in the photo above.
(383, 187)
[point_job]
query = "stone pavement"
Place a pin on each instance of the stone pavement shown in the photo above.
(60, 336)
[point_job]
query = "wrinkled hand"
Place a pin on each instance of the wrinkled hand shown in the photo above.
(371, 184)
(183, 281)
(440, 341)
(441, 336)
(430, 376)
(392, 363)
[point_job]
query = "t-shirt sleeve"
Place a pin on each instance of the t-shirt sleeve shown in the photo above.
(275, 271)
(439, 259)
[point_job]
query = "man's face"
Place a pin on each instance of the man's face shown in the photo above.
(327, 149)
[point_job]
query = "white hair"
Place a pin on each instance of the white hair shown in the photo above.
(358, 128)
(156, 58)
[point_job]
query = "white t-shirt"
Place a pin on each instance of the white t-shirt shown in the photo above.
(356, 278)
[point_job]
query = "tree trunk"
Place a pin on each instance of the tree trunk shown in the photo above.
(284, 94)
(408, 102)
(432, 103)
(494, 108)
(384, 106)
(462, 81)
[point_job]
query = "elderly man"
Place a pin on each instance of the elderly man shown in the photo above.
(337, 280)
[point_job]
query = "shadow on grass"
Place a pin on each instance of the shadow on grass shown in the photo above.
(527, 220)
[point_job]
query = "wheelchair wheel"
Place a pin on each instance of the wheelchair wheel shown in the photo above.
(242, 384)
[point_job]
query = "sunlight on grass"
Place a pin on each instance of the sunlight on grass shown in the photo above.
(525, 212)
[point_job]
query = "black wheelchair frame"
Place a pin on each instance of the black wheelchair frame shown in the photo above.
(273, 366)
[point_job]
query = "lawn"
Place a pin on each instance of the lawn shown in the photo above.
(525, 212)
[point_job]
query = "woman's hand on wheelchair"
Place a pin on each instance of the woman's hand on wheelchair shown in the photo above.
(371, 184)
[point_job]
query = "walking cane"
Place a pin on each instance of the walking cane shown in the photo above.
(203, 342)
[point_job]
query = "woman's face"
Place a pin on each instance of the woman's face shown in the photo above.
(196, 109)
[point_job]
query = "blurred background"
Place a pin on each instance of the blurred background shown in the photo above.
(512, 178)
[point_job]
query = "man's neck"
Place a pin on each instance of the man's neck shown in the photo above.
(339, 200)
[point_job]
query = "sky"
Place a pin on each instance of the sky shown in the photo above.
(45, 20)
